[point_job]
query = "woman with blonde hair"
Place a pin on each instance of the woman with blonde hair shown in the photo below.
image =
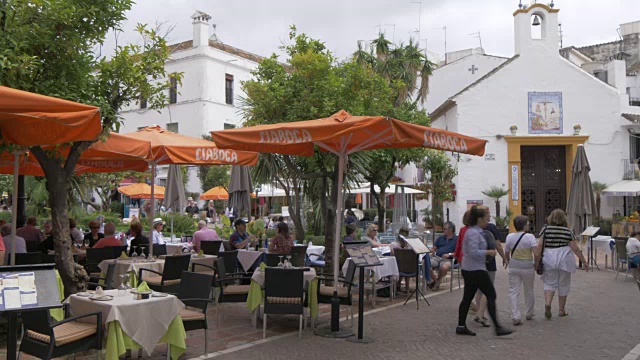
(559, 244)
(519, 249)
(371, 235)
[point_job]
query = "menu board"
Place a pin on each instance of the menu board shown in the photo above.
(362, 254)
(417, 245)
(18, 290)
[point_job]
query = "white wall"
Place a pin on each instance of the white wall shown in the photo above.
(448, 80)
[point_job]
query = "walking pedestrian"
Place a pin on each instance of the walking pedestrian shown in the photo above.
(559, 262)
(475, 274)
(519, 251)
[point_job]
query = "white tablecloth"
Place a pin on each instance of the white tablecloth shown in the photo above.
(145, 321)
(315, 250)
(389, 267)
(125, 266)
(209, 260)
(246, 258)
(258, 277)
(600, 243)
(176, 248)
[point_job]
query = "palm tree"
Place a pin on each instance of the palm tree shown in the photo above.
(496, 193)
(598, 188)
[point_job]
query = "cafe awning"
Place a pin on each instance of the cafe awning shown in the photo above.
(623, 188)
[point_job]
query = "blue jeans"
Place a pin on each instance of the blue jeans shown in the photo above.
(635, 261)
(427, 267)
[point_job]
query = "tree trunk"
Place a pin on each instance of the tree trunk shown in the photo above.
(598, 204)
(330, 225)
(296, 215)
(381, 206)
(497, 208)
(58, 184)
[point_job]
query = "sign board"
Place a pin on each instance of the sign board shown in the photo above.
(28, 286)
(134, 212)
(515, 177)
(490, 157)
(472, 203)
(590, 231)
(285, 211)
(417, 245)
(362, 254)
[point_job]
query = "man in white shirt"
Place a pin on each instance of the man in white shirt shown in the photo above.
(21, 245)
(633, 249)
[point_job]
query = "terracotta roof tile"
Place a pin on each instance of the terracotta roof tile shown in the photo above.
(220, 46)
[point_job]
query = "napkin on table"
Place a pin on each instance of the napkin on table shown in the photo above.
(99, 291)
(143, 287)
(123, 255)
(201, 252)
(263, 266)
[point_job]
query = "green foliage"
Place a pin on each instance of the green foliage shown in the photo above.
(427, 216)
(370, 213)
(598, 187)
(496, 193)
(439, 176)
(6, 184)
(182, 224)
(6, 216)
(503, 222)
(116, 207)
(256, 227)
(271, 233)
(316, 240)
(83, 218)
(604, 224)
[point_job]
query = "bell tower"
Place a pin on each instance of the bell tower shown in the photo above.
(536, 30)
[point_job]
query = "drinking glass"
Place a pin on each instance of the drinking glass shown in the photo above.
(134, 254)
(280, 264)
(122, 289)
(288, 257)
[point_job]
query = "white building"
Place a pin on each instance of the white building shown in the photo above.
(208, 97)
(544, 95)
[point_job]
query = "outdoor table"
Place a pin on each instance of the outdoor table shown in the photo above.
(315, 250)
(130, 266)
(136, 324)
(256, 294)
(389, 268)
(247, 258)
(177, 248)
(209, 260)
(381, 250)
(601, 242)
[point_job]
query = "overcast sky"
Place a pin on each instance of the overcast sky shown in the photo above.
(260, 26)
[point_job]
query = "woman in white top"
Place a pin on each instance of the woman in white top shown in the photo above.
(372, 236)
(519, 252)
(633, 249)
(157, 237)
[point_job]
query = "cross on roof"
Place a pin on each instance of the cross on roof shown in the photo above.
(473, 69)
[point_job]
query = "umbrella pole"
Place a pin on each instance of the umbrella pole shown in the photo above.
(152, 212)
(14, 207)
(334, 330)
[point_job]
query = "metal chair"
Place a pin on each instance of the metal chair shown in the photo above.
(227, 245)
(211, 247)
(47, 339)
(107, 280)
(117, 250)
(298, 255)
(406, 260)
(48, 259)
(159, 249)
(229, 292)
(455, 265)
(95, 257)
(284, 294)
(325, 293)
(622, 259)
(169, 278)
(274, 259)
(230, 259)
(29, 258)
(194, 293)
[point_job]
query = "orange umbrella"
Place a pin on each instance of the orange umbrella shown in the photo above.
(171, 148)
(216, 193)
(28, 119)
(141, 191)
(116, 153)
(343, 134)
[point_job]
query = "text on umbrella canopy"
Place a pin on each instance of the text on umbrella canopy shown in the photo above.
(445, 142)
(205, 154)
(285, 136)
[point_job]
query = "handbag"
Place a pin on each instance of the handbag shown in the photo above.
(540, 265)
(518, 242)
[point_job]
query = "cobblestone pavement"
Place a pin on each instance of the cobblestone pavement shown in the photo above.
(599, 326)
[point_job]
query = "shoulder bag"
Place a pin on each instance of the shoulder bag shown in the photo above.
(516, 245)
(540, 266)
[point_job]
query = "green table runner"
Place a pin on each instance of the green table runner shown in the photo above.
(117, 342)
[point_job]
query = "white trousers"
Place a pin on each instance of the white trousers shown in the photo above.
(557, 280)
(519, 279)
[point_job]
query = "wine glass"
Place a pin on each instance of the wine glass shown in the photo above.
(134, 254)
(280, 264)
(122, 289)
(126, 281)
(288, 257)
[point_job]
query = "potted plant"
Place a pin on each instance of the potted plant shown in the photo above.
(514, 129)
(502, 223)
(576, 129)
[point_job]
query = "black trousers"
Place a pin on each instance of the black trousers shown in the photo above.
(474, 281)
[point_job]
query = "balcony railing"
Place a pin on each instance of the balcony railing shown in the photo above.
(631, 169)
(634, 101)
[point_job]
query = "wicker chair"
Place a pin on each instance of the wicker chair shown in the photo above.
(29, 258)
(298, 256)
(284, 294)
(229, 291)
(169, 279)
(194, 293)
(210, 247)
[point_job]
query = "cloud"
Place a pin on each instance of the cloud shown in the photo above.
(261, 26)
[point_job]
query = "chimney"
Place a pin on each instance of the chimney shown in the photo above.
(200, 28)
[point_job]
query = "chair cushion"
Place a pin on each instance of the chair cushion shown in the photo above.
(156, 281)
(189, 315)
(66, 333)
(207, 272)
(328, 291)
(236, 289)
(95, 274)
(284, 300)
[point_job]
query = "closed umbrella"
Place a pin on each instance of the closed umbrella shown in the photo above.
(581, 206)
(240, 188)
(174, 197)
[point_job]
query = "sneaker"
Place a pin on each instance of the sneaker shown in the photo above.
(529, 317)
(500, 331)
(463, 330)
(547, 311)
(517, 322)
